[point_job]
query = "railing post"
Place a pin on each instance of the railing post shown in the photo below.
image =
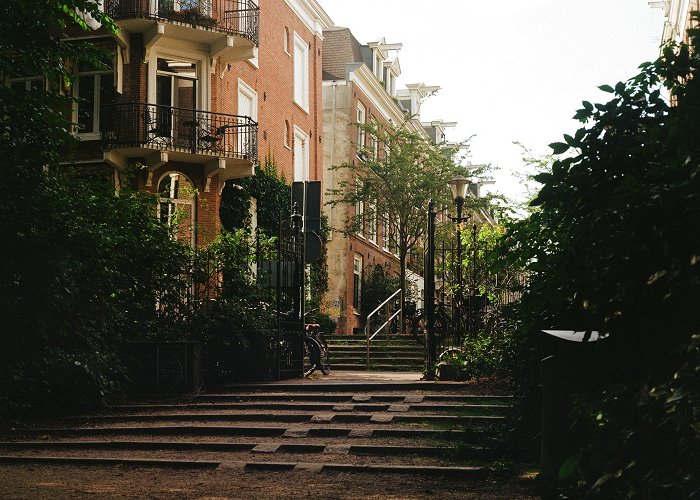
(429, 285)
(367, 330)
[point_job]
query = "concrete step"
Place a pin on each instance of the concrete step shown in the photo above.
(396, 415)
(322, 386)
(377, 347)
(314, 406)
(415, 470)
(228, 447)
(330, 397)
(376, 367)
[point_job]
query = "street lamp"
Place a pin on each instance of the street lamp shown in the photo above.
(459, 186)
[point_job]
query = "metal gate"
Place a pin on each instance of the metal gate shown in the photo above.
(283, 274)
(468, 296)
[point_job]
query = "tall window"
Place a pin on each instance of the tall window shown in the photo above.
(385, 233)
(373, 223)
(301, 155)
(357, 283)
(359, 213)
(176, 207)
(360, 131)
(176, 87)
(301, 72)
(93, 88)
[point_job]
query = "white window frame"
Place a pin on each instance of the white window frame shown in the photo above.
(174, 202)
(372, 236)
(357, 271)
(96, 77)
(301, 72)
(301, 166)
(203, 64)
(385, 233)
(361, 115)
(249, 92)
(360, 214)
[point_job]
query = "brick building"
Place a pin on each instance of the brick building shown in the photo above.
(198, 91)
(359, 86)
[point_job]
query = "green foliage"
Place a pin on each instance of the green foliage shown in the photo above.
(268, 187)
(68, 295)
(236, 339)
(377, 285)
(395, 178)
(484, 354)
(318, 272)
(612, 245)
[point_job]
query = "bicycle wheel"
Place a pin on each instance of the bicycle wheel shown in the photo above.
(312, 355)
(325, 355)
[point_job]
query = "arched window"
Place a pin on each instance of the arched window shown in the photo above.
(176, 206)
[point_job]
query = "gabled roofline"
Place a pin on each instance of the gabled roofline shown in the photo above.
(312, 15)
(362, 76)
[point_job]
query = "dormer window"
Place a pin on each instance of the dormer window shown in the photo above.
(378, 66)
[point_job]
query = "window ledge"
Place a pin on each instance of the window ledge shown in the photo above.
(301, 107)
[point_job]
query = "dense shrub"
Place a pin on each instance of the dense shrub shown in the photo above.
(612, 245)
(80, 268)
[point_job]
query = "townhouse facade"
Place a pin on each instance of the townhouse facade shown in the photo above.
(359, 87)
(195, 94)
(677, 18)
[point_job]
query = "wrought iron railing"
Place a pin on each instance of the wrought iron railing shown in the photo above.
(236, 17)
(178, 129)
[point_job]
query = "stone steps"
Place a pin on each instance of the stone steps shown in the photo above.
(419, 428)
(396, 352)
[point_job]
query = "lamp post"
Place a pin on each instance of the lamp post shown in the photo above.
(459, 186)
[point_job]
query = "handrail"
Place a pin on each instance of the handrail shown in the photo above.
(385, 323)
(369, 320)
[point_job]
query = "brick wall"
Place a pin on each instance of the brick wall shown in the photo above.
(273, 81)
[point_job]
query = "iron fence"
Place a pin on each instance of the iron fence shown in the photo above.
(235, 17)
(168, 128)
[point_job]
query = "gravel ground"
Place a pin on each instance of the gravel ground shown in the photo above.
(53, 482)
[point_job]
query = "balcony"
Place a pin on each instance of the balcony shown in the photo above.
(230, 28)
(226, 145)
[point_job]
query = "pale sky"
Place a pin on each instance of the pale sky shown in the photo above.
(510, 70)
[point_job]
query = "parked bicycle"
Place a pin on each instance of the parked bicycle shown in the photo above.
(316, 353)
(441, 328)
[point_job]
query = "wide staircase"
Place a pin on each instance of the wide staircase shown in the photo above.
(392, 353)
(362, 428)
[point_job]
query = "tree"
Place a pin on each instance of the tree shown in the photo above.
(612, 245)
(79, 267)
(394, 180)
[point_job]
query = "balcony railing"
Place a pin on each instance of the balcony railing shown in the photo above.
(152, 126)
(235, 17)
